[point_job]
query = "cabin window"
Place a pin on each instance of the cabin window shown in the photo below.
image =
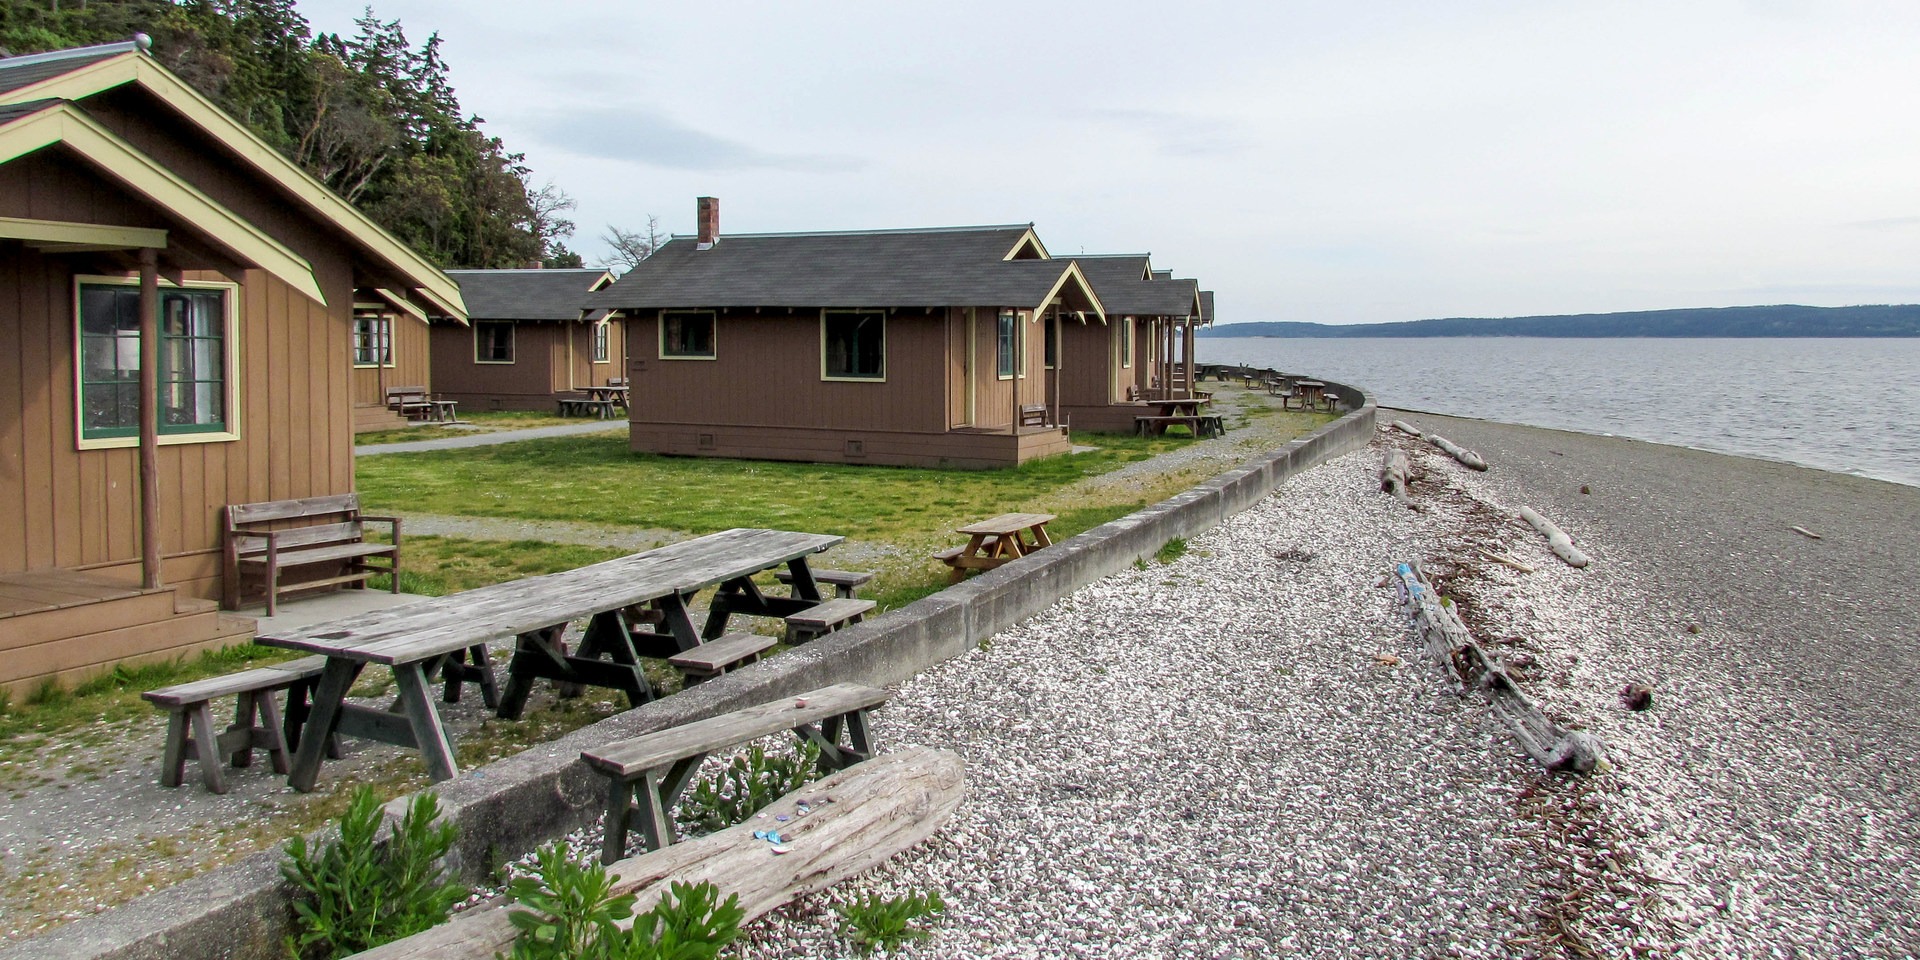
(492, 341)
(195, 358)
(600, 346)
(1126, 342)
(1052, 332)
(372, 341)
(1003, 344)
(686, 335)
(853, 345)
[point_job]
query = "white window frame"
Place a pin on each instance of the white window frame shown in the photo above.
(1126, 343)
(230, 300)
(660, 331)
(513, 341)
(1008, 321)
(383, 326)
(602, 343)
(882, 378)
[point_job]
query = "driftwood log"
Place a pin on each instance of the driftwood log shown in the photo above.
(1467, 457)
(1393, 475)
(1466, 664)
(861, 816)
(1557, 539)
(1408, 428)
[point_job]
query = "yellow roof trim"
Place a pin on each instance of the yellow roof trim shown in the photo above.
(438, 289)
(66, 233)
(402, 303)
(1028, 238)
(1073, 272)
(67, 125)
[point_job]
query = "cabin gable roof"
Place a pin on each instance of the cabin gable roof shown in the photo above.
(542, 294)
(76, 75)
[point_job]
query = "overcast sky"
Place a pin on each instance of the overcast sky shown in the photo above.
(1339, 161)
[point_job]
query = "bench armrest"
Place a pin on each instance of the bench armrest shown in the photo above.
(393, 523)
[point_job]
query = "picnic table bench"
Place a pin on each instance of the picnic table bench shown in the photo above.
(995, 541)
(1199, 424)
(257, 723)
(260, 540)
(845, 583)
(647, 590)
(583, 405)
(648, 773)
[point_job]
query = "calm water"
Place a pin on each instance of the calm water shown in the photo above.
(1851, 406)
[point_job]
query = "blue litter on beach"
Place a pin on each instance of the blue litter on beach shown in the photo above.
(770, 836)
(783, 818)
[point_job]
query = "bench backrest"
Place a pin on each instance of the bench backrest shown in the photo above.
(629, 758)
(349, 532)
(1033, 415)
(268, 511)
(406, 393)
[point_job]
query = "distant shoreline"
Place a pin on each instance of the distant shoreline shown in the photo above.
(1777, 321)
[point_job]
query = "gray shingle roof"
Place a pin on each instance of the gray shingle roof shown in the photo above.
(1119, 281)
(12, 112)
(955, 266)
(17, 72)
(524, 294)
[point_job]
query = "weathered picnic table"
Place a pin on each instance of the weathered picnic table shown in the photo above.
(614, 597)
(995, 541)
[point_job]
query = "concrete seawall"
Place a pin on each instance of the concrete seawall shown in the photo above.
(512, 805)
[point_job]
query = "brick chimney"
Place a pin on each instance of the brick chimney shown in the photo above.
(707, 213)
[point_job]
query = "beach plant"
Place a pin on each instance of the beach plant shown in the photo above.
(356, 895)
(1172, 550)
(746, 786)
(872, 922)
(573, 914)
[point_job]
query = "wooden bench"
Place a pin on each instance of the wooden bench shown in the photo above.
(648, 773)
(715, 657)
(260, 540)
(1033, 415)
(410, 402)
(257, 723)
(845, 583)
(825, 617)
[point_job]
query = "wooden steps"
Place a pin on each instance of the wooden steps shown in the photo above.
(68, 626)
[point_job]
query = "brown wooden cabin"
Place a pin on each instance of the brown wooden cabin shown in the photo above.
(527, 341)
(143, 229)
(905, 347)
(1103, 370)
(388, 348)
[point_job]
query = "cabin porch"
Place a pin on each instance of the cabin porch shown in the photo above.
(964, 448)
(67, 626)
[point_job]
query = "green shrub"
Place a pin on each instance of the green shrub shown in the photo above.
(356, 896)
(574, 915)
(745, 787)
(876, 923)
(1172, 550)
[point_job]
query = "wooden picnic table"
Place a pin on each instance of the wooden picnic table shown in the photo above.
(614, 597)
(1180, 406)
(616, 394)
(995, 541)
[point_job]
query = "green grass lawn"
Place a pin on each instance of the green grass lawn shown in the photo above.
(598, 480)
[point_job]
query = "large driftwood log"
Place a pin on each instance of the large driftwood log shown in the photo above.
(1557, 539)
(1466, 663)
(1393, 475)
(1468, 457)
(861, 816)
(1408, 428)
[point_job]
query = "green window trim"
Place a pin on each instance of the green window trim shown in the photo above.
(198, 384)
(493, 341)
(372, 334)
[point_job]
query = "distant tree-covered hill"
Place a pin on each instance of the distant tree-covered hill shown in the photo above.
(1786, 320)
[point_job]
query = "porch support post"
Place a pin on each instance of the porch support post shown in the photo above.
(149, 418)
(1186, 352)
(1059, 359)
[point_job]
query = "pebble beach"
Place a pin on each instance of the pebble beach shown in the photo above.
(1242, 752)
